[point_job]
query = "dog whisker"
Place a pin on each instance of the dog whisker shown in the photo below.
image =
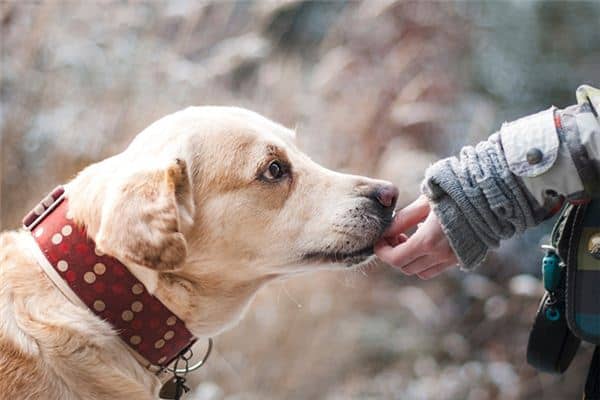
(290, 296)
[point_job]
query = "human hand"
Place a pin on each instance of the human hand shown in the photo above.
(426, 253)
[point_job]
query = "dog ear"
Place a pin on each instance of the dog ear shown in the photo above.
(144, 217)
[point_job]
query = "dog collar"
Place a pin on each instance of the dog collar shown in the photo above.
(104, 284)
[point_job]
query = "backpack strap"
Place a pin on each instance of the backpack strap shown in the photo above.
(592, 384)
(552, 345)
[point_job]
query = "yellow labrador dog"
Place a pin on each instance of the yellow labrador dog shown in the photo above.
(205, 207)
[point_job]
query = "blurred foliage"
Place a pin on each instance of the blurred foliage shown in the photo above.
(380, 87)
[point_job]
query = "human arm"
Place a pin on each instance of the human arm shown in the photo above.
(499, 188)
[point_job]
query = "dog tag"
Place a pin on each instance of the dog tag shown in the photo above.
(173, 389)
(167, 391)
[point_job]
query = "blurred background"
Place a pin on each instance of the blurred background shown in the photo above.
(380, 88)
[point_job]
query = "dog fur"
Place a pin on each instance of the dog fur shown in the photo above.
(192, 209)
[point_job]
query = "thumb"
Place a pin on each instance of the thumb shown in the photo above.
(408, 217)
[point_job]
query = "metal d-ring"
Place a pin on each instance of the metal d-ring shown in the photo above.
(183, 371)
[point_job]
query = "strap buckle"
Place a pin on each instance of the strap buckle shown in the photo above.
(42, 209)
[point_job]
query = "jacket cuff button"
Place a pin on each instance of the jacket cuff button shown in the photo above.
(534, 156)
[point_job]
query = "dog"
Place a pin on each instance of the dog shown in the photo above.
(204, 207)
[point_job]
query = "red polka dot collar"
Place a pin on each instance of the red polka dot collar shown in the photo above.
(104, 284)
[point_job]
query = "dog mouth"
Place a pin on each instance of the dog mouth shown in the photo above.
(351, 258)
(357, 245)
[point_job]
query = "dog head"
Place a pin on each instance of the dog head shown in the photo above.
(218, 195)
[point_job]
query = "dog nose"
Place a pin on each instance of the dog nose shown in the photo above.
(387, 195)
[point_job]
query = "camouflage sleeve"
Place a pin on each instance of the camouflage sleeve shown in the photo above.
(557, 152)
(518, 177)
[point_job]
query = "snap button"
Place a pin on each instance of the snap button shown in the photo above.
(534, 156)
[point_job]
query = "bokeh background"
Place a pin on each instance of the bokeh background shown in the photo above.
(381, 88)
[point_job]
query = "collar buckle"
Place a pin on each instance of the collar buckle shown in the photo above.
(43, 208)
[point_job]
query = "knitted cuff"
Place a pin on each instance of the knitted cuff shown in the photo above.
(444, 191)
(478, 201)
(465, 243)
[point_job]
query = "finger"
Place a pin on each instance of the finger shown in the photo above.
(394, 241)
(409, 216)
(399, 239)
(421, 264)
(433, 240)
(436, 270)
(399, 255)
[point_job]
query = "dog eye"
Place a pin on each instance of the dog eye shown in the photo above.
(274, 172)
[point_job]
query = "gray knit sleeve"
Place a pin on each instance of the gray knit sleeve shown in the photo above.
(479, 201)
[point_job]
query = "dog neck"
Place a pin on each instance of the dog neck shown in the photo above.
(210, 302)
